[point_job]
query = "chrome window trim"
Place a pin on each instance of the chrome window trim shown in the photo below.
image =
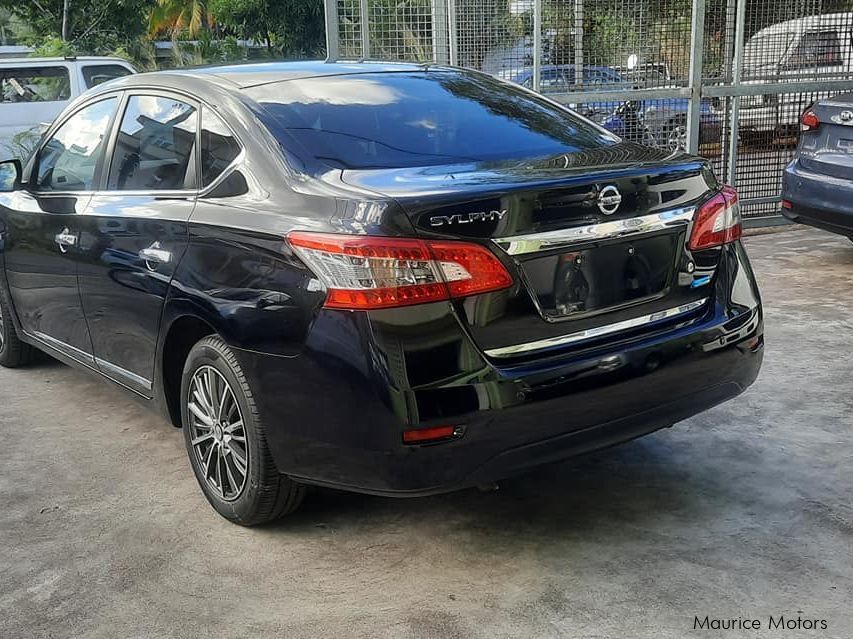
(536, 242)
(123, 95)
(598, 331)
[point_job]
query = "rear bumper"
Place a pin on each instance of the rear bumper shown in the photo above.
(335, 415)
(821, 201)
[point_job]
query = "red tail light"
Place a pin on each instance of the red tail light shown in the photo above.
(809, 120)
(363, 272)
(717, 221)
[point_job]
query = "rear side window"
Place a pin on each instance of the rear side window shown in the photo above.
(72, 156)
(95, 74)
(816, 49)
(154, 147)
(34, 84)
(387, 120)
(219, 147)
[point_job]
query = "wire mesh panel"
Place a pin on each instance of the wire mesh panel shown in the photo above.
(735, 70)
(349, 28)
(401, 30)
(644, 43)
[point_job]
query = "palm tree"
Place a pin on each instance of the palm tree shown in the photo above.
(179, 16)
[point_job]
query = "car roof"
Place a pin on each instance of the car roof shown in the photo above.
(253, 74)
(53, 60)
(828, 21)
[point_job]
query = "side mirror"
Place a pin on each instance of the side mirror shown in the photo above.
(10, 175)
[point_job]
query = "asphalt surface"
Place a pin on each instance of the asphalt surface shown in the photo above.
(744, 511)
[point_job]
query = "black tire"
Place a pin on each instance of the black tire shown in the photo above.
(265, 494)
(13, 352)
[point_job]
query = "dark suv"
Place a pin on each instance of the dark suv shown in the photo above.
(380, 277)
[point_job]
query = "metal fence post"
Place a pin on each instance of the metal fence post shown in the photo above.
(440, 53)
(332, 33)
(537, 44)
(453, 40)
(364, 20)
(697, 56)
(737, 73)
(579, 43)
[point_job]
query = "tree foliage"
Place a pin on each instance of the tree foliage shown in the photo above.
(291, 28)
(95, 26)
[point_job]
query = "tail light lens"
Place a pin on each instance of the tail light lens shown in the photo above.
(717, 221)
(809, 120)
(364, 272)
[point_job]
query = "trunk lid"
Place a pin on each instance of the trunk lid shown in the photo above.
(828, 150)
(595, 241)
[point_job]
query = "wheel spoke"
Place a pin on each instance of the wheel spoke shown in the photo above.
(239, 459)
(206, 421)
(230, 428)
(202, 438)
(201, 398)
(219, 471)
(210, 455)
(235, 485)
(217, 432)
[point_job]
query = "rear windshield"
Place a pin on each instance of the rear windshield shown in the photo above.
(401, 119)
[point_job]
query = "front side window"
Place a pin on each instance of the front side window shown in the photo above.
(34, 84)
(95, 74)
(219, 147)
(71, 157)
(154, 147)
(393, 120)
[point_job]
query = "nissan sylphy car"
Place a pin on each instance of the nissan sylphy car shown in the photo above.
(388, 278)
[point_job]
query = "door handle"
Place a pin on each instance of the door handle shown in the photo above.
(65, 240)
(155, 255)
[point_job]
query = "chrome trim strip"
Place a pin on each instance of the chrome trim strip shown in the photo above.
(66, 349)
(110, 368)
(598, 331)
(535, 242)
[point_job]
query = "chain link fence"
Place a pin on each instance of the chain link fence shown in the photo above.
(727, 79)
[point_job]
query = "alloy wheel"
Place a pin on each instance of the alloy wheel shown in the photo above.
(677, 140)
(218, 434)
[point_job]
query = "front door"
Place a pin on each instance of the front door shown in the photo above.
(42, 243)
(134, 233)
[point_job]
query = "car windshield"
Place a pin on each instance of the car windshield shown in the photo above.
(404, 119)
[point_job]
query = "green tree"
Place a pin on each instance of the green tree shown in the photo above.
(96, 27)
(178, 17)
(291, 28)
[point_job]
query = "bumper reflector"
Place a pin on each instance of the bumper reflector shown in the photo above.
(428, 435)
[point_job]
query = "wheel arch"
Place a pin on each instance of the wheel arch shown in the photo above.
(182, 334)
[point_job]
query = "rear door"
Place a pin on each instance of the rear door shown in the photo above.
(134, 232)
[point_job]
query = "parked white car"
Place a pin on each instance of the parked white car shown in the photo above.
(801, 50)
(33, 91)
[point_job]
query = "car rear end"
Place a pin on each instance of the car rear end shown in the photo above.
(483, 317)
(817, 186)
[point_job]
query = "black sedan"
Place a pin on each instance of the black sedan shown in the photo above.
(386, 278)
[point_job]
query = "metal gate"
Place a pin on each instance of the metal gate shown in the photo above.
(727, 79)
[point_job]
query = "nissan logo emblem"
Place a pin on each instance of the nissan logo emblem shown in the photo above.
(609, 199)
